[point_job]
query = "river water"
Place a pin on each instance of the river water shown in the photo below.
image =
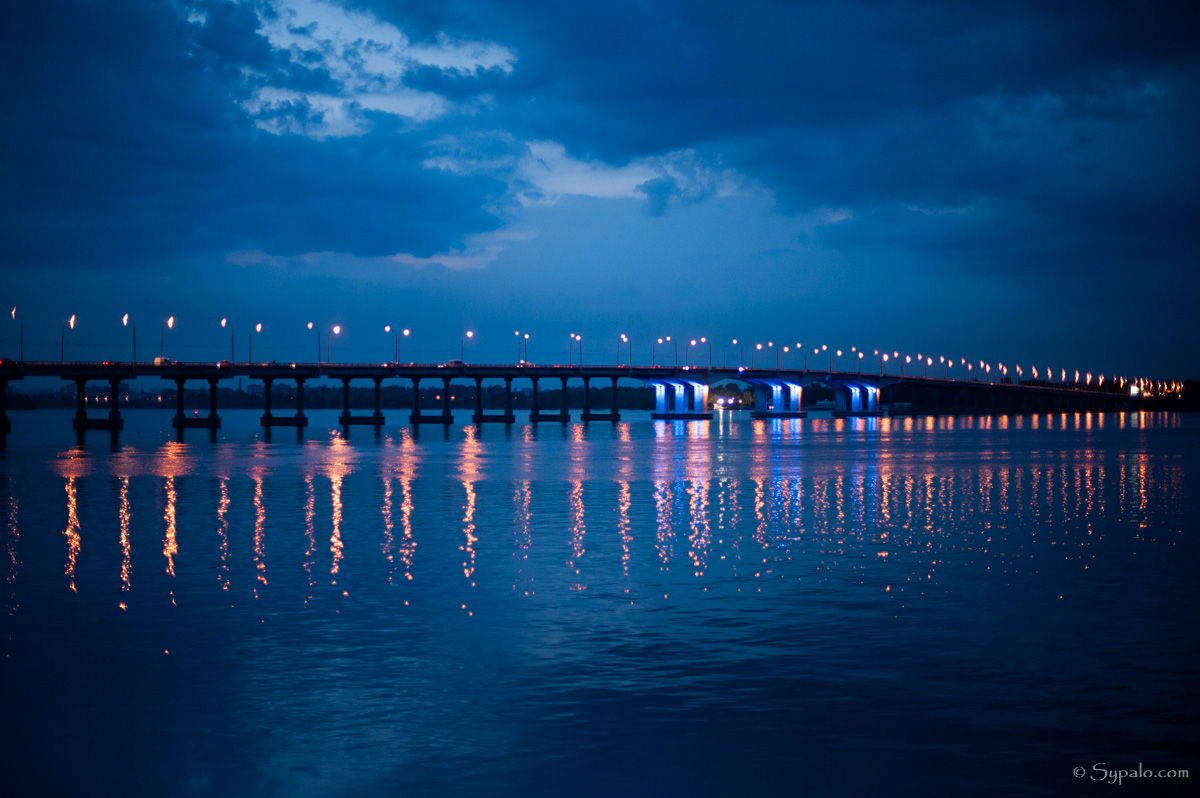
(952, 606)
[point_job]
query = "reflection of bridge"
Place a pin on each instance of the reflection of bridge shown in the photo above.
(680, 392)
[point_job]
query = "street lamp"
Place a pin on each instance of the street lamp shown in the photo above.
(62, 355)
(462, 346)
(579, 338)
(757, 348)
(858, 368)
(22, 327)
(571, 351)
(311, 327)
(250, 342)
(517, 333)
(882, 360)
(704, 340)
(133, 328)
(162, 337)
(526, 358)
(907, 359)
(624, 340)
(223, 323)
(725, 352)
(337, 330)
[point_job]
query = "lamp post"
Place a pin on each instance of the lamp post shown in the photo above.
(462, 345)
(725, 353)
(22, 328)
(223, 323)
(858, 367)
(311, 326)
(579, 338)
(517, 333)
(704, 340)
(571, 350)
(133, 328)
(250, 342)
(62, 355)
(882, 360)
(162, 337)
(653, 352)
(337, 330)
(387, 328)
(526, 358)
(757, 348)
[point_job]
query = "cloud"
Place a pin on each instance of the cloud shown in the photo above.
(367, 60)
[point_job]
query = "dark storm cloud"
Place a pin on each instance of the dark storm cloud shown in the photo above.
(126, 142)
(1068, 118)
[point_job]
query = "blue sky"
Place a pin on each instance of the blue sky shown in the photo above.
(1011, 184)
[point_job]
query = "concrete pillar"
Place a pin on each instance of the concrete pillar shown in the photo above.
(416, 381)
(114, 394)
(535, 396)
(378, 397)
(614, 398)
(80, 394)
(345, 396)
(299, 397)
(479, 396)
(587, 399)
(267, 396)
(445, 396)
(508, 396)
(564, 394)
(179, 397)
(5, 421)
(212, 398)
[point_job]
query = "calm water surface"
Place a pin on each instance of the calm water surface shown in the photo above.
(953, 606)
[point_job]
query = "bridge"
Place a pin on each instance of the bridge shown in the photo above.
(681, 393)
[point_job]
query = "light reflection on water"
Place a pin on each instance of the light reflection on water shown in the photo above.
(747, 579)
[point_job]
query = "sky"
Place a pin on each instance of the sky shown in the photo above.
(1012, 182)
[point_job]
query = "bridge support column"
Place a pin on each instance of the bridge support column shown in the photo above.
(506, 417)
(415, 416)
(534, 415)
(267, 419)
(588, 415)
(5, 421)
(446, 418)
(114, 402)
(81, 418)
(344, 418)
(212, 403)
(82, 422)
(179, 381)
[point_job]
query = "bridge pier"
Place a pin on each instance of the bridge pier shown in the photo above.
(5, 421)
(181, 421)
(83, 422)
(270, 420)
(562, 416)
(375, 419)
(480, 417)
(418, 417)
(856, 400)
(777, 399)
(685, 401)
(588, 415)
